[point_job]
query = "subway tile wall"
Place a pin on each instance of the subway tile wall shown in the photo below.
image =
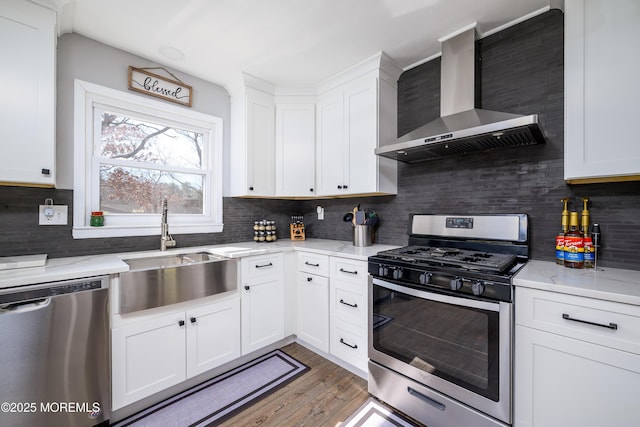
(20, 233)
(521, 72)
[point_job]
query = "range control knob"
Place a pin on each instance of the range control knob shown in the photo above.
(397, 273)
(425, 278)
(455, 284)
(477, 288)
(382, 271)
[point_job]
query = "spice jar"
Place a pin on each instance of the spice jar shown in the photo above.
(97, 219)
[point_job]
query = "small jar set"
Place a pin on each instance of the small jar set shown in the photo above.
(264, 231)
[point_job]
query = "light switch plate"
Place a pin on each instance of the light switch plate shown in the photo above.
(59, 215)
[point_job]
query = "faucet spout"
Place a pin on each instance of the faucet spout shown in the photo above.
(166, 240)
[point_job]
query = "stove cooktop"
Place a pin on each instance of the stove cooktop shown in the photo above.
(455, 257)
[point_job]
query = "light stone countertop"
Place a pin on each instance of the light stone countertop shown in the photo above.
(611, 284)
(57, 269)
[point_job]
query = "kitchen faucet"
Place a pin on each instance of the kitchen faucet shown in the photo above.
(166, 240)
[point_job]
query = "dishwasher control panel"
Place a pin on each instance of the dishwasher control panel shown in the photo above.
(45, 290)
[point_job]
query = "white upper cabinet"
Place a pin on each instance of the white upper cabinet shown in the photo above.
(601, 90)
(316, 141)
(252, 140)
(356, 114)
(27, 107)
(295, 147)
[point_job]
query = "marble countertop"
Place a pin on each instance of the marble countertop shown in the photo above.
(611, 284)
(57, 269)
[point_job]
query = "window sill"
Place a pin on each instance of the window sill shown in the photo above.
(113, 231)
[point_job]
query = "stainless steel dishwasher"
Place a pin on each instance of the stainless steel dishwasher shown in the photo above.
(54, 354)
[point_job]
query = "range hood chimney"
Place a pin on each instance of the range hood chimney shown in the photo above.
(462, 128)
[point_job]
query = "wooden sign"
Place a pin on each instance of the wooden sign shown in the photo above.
(152, 84)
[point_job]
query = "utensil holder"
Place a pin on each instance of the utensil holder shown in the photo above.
(362, 235)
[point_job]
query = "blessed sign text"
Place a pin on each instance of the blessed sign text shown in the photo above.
(161, 87)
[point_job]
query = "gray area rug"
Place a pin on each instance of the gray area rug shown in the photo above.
(374, 414)
(223, 396)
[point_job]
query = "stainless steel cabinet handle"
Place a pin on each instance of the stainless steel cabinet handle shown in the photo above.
(342, 270)
(311, 264)
(346, 303)
(264, 265)
(613, 326)
(354, 346)
(430, 401)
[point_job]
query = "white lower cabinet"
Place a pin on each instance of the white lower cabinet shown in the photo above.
(149, 356)
(262, 301)
(348, 307)
(213, 336)
(571, 373)
(313, 310)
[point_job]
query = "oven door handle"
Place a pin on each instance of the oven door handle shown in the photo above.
(432, 296)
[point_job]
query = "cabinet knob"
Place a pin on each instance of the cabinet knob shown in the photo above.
(311, 190)
(345, 186)
(250, 188)
(309, 279)
(46, 171)
(193, 320)
(339, 187)
(180, 322)
(246, 288)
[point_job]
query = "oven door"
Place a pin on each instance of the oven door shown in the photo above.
(458, 346)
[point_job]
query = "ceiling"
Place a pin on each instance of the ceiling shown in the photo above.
(285, 42)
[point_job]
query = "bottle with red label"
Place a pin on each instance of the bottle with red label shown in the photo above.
(560, 235)
(589, 254)
(574, 244)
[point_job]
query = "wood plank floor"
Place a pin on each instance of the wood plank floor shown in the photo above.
(324, 396)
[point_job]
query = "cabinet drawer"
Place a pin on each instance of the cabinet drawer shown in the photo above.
(313, 263)
(262, 265)
(348, 304)
(349, 343)
(606, 323)
(349, 270)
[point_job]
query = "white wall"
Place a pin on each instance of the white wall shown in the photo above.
(91, 61)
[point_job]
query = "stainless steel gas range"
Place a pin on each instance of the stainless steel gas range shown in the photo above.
(441, 319)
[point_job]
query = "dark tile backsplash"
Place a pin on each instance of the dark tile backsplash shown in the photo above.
(521, 72)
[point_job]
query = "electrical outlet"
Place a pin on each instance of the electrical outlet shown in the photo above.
(53, 215)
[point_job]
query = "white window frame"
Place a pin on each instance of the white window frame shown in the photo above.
(87, 97)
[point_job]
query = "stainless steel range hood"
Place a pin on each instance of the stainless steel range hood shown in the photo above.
(462, 128)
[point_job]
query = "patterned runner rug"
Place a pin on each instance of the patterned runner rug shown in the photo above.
(222, 396)
(374, 414)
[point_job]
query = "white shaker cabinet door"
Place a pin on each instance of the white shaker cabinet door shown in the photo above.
(147, 357)
(27, 105)
(313, 310)
(564, 382)
(360, 164)
(602, 60)
(330, 151)
(213, 336)
(295, 150)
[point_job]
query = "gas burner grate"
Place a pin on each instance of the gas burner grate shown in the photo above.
(466, 259)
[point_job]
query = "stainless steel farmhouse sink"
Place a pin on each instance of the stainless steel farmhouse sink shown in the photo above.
(170, 279)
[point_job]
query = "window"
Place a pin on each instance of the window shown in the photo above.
(131, 153)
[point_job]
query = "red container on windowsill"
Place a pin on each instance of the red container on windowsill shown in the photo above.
(97, 219)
